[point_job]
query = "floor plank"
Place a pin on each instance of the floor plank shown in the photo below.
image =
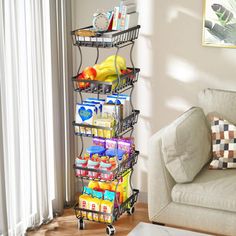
(67, 224)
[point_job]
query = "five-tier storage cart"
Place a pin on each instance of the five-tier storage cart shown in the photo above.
(123, 84)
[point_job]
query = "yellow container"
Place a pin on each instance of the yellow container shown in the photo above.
(84, 203)
(108, 122)
(119, 190)
(94, 205)
(106, 207)
(125, 183)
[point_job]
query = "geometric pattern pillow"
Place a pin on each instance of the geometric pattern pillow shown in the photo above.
(223, 144)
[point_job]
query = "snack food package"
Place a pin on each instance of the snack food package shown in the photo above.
(97, 104)
(126, 145)
(84, 200)
(97, 100)
(128, 107)
(119, 191)
(94, 205)
(106, 207)
(84, 114)
(81, 163)
(113, 110)
(125, 184)
(124, 101)
(93, 165)
(111, 143)
(106, 167)
(99, 141)
(108, 122)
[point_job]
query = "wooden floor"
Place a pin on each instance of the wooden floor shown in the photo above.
(67, 224)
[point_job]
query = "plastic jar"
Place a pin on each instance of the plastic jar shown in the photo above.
(106, 167)
(95, 150)
(81, 163)
(115, 153)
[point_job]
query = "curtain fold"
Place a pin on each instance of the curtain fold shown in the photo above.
(34, 130)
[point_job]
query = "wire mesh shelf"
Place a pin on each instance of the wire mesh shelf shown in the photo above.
(102, 87)
(104, 217)
(104, 175)
(121, 128)
(107, 39)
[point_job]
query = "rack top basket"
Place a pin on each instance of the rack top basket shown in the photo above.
(107, 39)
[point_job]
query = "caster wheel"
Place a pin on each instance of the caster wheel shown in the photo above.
(131, 210)
(110, 230)
(81, 224)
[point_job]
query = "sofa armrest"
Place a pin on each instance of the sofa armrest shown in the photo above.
(160, 182)
(175, 156)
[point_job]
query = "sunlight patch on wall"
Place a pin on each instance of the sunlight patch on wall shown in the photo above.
(181, 70)
(178, 104)
(173, 13)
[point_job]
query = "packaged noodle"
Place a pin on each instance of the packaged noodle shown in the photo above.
(106, 122)
(107, 206)
(94, 205)
(119, 191)
(126, 185)
(123, 187)
(84, 200)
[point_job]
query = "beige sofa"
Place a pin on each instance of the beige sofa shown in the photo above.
(203, 199)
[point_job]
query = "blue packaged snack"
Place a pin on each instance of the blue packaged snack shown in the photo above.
(88, 191)
(97, 194)
(85, 113)
(97, 104)
(110, 196)
(95, 150)
(115, 152)
(99, 100)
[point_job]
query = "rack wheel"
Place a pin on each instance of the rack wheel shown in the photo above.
(130, 211)
(110, 230)
(81, 224)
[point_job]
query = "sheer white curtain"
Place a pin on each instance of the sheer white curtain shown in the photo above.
(34, 130)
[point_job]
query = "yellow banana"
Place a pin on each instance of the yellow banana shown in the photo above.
(102, 74)
(107, 67)
(119, 60)
(113, 79)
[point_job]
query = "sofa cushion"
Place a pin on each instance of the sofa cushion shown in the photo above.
(223, 143)
(186, 145)
(212, 189)
(219, 101)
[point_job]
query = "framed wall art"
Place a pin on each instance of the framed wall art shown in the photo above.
(219, 23)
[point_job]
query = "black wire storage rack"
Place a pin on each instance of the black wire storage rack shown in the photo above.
(118, 40)
(111, 39)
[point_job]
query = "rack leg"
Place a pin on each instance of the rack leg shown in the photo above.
(110, 230)
(81, 224)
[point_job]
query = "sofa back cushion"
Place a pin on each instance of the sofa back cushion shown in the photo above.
(220, 102)
(186, 145)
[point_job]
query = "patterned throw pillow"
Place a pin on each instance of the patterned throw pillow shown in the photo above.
(223, 144)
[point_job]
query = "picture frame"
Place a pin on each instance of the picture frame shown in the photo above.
(219, 23)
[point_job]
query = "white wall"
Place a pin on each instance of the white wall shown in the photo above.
(174, 65)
